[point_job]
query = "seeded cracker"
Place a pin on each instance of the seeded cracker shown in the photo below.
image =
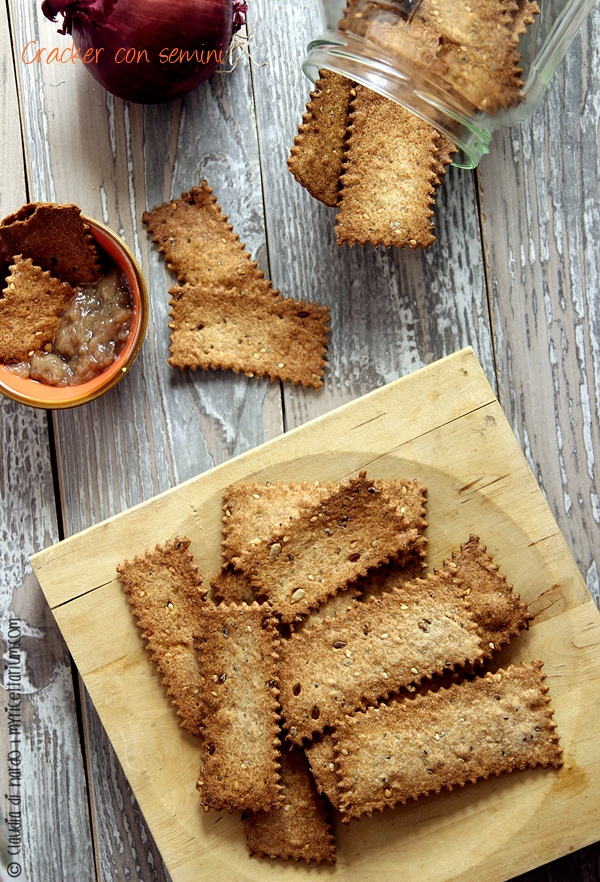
(30, 309)
(236, 648)
(316, 158)
(55, 237)
(301, 828)
(231, 586)
(389, 177)
(472, 730)
(375, 648)
(166, 595)
(320, 753)
(352, 529)
(225, 314)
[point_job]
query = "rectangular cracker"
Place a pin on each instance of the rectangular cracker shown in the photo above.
(496, 608)
(166, 595)
(30, 309)
(389, 177)
(252, 511)
(236, 647)
(301, 828)
(55, 237)
(316, 158)
(470, 731)
(354, 528)
(320, 753)
(375, 648)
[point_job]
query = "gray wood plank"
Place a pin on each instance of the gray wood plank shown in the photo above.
(157, 427)
(42, 769)
(392, 311)
(540, 197)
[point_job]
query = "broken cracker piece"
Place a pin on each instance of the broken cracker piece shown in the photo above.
(165, 592)
(30, 309)
(316, 158)
(349, 531)
(374, 648)
(470, 731)
(236, 647)
(55, 237)
(300, 829)
(496, 609)
(389, 177)
(256, 332)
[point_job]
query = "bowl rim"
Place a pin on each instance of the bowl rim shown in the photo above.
(132, 349)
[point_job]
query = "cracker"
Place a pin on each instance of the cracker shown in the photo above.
(55, 237)
(301, 829)
(252, 511)
(395, 574)
(166, 595)
(470, 731)
(255, 333)
(375, 648)
(496, 609)
(316, 158)
(320, 753)
(349, 531)
(340, 602)
(30, 309)
(236, 647)
(231, 586)
(445, 150)
(388, 181)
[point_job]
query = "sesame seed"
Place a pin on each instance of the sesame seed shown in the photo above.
(414, 671)
(298, 595)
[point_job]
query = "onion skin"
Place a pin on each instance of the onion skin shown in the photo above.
(200, 28)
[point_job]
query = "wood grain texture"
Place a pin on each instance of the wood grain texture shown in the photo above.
(443, 426)
(391, 311)
(158, 427)
(41, 722)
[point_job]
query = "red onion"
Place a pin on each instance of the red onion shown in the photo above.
(149, 51)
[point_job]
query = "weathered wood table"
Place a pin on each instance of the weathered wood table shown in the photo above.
(513, 273)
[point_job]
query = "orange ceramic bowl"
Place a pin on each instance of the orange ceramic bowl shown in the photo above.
(38, 394)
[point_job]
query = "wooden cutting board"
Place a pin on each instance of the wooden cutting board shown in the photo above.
(443, 426)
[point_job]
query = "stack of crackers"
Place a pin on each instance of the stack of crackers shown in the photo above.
(331, 672)
(46, 250)
(379, 163)
(224, 313)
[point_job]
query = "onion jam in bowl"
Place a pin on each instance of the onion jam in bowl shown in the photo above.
(123, 314)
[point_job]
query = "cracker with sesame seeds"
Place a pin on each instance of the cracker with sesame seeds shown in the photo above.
(352, 529)
(30, 309)
(395, 574)
(315, 160)
(301, 828)
(166, 595)
(55, 237)
(252, 511)
(496, 608)
(237, 651)
(320, 753)
(470, 731)
(389, 175)
(255, 332)
(225, 314)
(371, 650)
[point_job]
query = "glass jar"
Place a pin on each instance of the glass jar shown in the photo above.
(460, 65)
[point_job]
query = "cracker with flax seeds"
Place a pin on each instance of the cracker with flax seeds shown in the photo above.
(316, 157)
(30, 309)
(225, 314)
(352, 529)
(389, 175)
(55, 237)
(320, 753)
(301, 828)
(237, 651)
(468, 732)
(166, 595)
(258, 333)
(371, 650)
